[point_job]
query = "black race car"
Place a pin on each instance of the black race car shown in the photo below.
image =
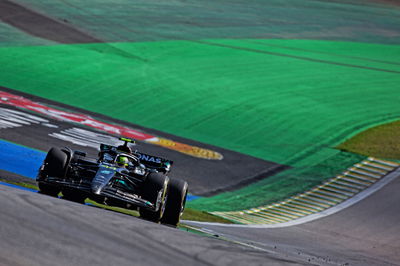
(118, 177)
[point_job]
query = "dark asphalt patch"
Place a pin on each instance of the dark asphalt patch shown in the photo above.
(41, 26)
(48, 230)
(205, 177)
(15, 178)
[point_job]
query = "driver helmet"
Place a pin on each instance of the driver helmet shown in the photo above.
(122, 161)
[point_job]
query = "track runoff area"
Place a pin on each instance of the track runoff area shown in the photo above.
(337, 192)
(298, 54)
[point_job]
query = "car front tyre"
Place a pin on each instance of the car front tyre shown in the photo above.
(176, 201)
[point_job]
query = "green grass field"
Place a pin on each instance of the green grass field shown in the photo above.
(246, 76)
(288, 101)
(279, 100)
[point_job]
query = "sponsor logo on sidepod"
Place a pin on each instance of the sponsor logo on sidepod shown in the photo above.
(24, 103)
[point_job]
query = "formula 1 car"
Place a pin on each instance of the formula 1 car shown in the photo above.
(118, 177)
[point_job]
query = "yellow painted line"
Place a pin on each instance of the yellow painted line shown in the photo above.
(242, 218)
(331, 193)
(280, 207)
(336, 191)
(295, 214)
(353, 185)
(228, 217)
(316, 204)
(361, 177)
(262, 219)
(272, 218)
(288, 203)
(252, 210)
(364, 183)
(380, 166)
(251, 219)
(348, 183)
(385, 162)
(346, 188)
(276, 215)
(323, 196)
(371, 169)
(282, 213)
(320, 198)
(328, 195)
(296, 210)
(362, 172)
(302, 207)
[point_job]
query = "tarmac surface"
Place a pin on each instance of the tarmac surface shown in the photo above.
(40, 25)
(366, 233)
(40, 230)
(205, 177)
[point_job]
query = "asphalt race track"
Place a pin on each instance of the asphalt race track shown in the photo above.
(39, 230)
(365, 234)
(206, 177)
(46, 230)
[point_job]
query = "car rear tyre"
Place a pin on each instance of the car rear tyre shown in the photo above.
(154, 189)
(176, 201)
(55, 165)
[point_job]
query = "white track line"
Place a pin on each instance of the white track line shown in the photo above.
(360, 196)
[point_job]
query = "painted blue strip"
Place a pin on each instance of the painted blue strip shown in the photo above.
(19, 187)
(25, 161)
(192, 197)
(19, 159)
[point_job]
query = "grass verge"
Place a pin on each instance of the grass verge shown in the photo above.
(382, 141)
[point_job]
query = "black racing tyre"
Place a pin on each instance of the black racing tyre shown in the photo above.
(55, 165)
(155, 184)
(176, 201)
(74, 195)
